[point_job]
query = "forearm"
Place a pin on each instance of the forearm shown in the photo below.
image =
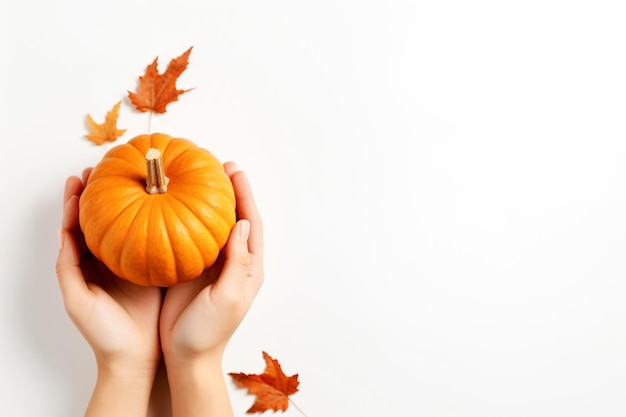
(198, 389)
(121, 393)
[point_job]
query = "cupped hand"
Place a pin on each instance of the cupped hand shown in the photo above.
(119, 320)
(199, 317)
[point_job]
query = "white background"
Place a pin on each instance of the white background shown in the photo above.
(441, 182)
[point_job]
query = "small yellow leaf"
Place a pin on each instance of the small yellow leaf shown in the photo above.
(107, 131)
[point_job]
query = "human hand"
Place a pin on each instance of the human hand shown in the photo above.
(119, 320)
(199, 317)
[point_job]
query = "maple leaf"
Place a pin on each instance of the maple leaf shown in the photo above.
(107, 131)
(272, 388)
(156, 91)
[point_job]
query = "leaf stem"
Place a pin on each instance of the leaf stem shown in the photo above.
(297, 408)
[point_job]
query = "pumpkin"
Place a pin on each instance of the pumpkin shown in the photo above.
(157, 210)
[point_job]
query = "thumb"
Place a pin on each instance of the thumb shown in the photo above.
(237, 260)
(69, 274)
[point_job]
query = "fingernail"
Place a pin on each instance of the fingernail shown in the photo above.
(244, 229)
(61, 239)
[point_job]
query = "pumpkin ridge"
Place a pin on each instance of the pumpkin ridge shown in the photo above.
(199, 156)
(160, 210)
(120, 160)
(127, 247)
(110, 228)
(174, 147)
(91, 194)
(217, 213)
(122, 177)
(192, 236)
(203, 175)
(200, 219)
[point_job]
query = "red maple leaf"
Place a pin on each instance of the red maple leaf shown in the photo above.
(155, 91)
(272, 388)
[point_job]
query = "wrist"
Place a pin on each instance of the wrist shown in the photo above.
(121, 391)
(124, 370)
(185, 358)
(198, 387)
(196, 371)
(134, 375)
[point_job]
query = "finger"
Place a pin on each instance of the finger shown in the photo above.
(230, 168)
(73, 186)
(236, 264)
(86, 174)
(247, 209)
(71, 222)
(69, 274)
(70, 214)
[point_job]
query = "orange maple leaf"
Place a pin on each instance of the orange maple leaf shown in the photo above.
(107, 131)
(272, 388)
(156, 91)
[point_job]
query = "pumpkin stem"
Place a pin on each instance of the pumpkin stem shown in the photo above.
(156, 181)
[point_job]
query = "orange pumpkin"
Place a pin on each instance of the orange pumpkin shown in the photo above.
(157, 210)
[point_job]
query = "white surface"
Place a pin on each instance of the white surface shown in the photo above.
(442, 185)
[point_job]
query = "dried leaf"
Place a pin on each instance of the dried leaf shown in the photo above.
(107, 131)
(155, 91)
(272, 388)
